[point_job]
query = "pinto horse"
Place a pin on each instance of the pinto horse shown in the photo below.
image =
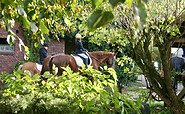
(63, 60)
(31, 67)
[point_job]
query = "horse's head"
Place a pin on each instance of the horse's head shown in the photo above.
(100, 57)
(111, 60)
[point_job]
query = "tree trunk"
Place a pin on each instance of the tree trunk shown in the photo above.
(120, 87)
(161, 85)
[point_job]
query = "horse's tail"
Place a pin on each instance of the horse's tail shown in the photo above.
(45, 63)
(51, 66)
(20, 67)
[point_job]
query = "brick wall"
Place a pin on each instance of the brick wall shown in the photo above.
(8, 59)
(56, 47)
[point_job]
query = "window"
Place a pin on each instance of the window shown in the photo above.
(5, 47)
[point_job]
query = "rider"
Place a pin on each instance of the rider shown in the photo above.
(43, 52)
(80, 50)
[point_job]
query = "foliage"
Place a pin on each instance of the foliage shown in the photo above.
(70, 93)
(44, 16)
(16, 65)
(125, 67)
(32, 46)
(160, 30)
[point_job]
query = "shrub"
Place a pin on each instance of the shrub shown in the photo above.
(16, 65)
(69, 93)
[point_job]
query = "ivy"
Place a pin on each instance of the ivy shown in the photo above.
(32, 54)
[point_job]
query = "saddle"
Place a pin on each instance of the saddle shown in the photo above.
(80, 60)
(39, 66)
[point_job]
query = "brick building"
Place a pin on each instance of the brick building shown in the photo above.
(9, 55)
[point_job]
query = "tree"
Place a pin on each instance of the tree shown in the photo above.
(57, 16)
(164, 19)
(41, 16)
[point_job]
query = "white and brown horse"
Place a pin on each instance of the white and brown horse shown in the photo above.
(32, 67)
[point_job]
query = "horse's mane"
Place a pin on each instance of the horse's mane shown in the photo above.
(58, 54)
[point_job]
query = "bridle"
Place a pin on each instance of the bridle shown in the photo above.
(102, 62)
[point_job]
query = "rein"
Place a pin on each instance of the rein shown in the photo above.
(96, 58)
(102, 62)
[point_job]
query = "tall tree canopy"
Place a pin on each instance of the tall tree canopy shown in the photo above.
(57, 16)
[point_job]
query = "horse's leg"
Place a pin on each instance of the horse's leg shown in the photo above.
(183, 80)
(60, 71)
(72, 64)
(20, 67)
(45, 63)
(51, 66)
(36, 71)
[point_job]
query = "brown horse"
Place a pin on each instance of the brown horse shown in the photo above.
(31, 67)
(63, 60)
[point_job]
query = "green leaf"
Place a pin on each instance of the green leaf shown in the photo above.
(36, 44)
(129, 3)
(5, 3)
(123, 110)
(91, 103)
(34, 28)
(140, 15)
(43, 28)
(26, 23)
(120, 103)
(115, 2)
(36, 77)
(94, 109)
(67, 21)
(96, 3)
(10, 39)
(99, 18)
(21, 11)
(26, 48)
(93, 18)
(145, 1)
(107, 18)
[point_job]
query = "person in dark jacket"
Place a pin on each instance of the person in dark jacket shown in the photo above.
(80, 50)
(43, 52)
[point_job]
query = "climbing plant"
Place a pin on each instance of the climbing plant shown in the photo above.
(31, 50)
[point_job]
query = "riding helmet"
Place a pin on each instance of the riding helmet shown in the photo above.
(78, 36)
(45, 44)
